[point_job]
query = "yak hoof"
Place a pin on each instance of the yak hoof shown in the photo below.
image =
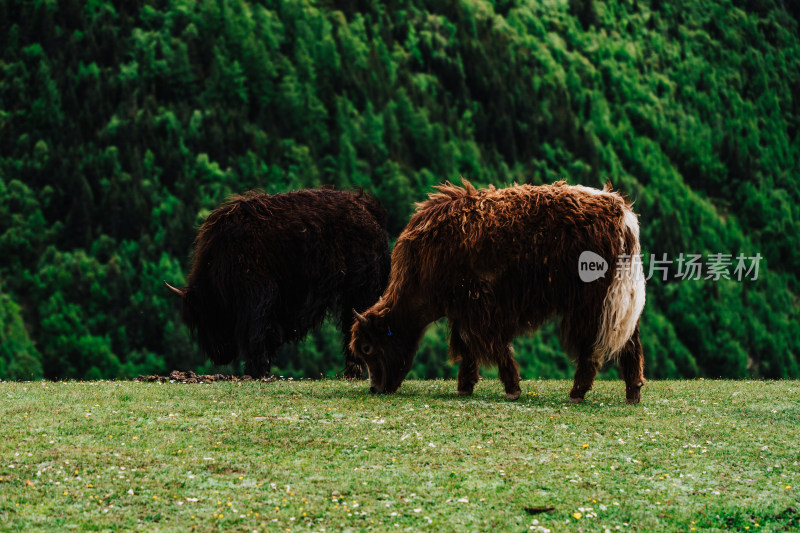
(633, 394)
(633, 401)
(513, 395)
(465, 393)
(575, 400)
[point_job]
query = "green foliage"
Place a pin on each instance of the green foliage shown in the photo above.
(19, 358)
(123, 125)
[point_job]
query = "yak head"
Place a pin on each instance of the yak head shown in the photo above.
(189, 307)
(211, 328)
(387, 352)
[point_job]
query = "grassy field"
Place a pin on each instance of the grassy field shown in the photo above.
(328, 456)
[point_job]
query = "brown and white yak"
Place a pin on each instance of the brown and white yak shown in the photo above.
(499, 262)
(266, 269)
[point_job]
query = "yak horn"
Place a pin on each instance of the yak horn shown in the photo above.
(175, 290)
(362, 320)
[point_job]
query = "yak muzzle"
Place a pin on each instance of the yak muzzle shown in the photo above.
(377, 377)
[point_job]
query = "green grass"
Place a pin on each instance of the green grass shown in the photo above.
(327, 455)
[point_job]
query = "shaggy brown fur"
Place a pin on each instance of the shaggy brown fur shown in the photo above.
(267, 269)
(498, 262)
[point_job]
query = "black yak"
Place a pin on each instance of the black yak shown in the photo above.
(498, 262)
(267, 268)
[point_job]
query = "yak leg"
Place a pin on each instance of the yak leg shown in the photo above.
(493, 346)
(353, 366)
(257, 334)
(468, 370)
(260, 353)
(258, 348)
(578, 336)
(257, 358)
(499, 350)
(467, 375)
(508, 369)
(582, 349)
(584, 376)
(257, 364)
(631, 362)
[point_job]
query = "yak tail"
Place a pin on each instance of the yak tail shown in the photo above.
(624, 300)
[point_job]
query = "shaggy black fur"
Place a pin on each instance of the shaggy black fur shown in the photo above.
(267, 269)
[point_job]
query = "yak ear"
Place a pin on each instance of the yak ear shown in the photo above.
(362, 320)
(175, 290)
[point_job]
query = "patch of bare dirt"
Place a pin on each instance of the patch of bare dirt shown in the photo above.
(178, 376)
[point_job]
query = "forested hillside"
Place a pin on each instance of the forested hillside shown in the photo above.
(122, 125)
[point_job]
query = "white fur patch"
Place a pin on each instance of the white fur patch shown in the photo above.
(625, 298)
(589, 190)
